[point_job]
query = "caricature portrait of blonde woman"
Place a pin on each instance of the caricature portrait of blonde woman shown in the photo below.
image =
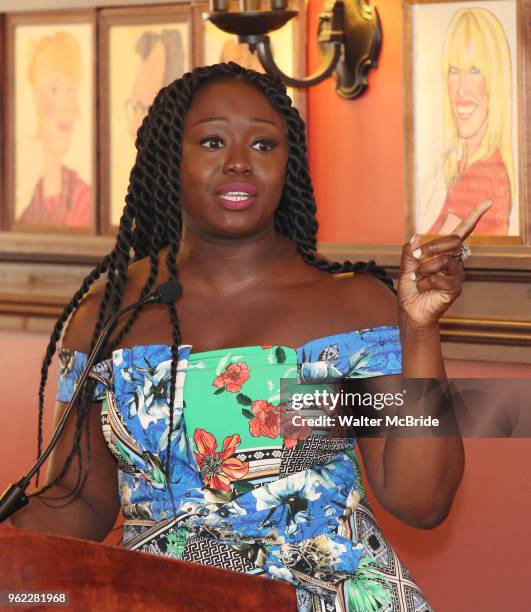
(477, 122)
(60, 196)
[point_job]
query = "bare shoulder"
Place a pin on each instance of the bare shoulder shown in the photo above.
(80, 327)
(361, 301)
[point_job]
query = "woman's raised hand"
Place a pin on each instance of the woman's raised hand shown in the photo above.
(431, 274)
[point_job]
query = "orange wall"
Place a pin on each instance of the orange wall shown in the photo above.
(478, 559)
(356, 147)
(20, 363)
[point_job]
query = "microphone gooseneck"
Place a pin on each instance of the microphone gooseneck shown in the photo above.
(14, 497)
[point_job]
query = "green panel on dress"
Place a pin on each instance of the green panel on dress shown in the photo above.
(232, 391)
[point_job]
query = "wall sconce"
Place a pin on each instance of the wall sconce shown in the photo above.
(349, 36)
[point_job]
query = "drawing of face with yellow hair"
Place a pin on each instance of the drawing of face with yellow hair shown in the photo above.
(476, 66)
(55, 72)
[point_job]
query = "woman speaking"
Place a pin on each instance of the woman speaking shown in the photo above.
(180, 424)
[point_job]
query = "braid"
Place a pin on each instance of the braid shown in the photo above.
(173, 213)
(54, 338)
(152, 221)
(296, 214)
(81, 418)
(335, 267)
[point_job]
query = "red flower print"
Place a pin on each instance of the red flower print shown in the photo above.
(218, 468)
(233, 377)
(266, 421)
(292, 433)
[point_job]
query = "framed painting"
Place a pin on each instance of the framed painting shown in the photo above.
(2, 117)
(288, 45)
(140, 51)
(50, 123)
(467, 117)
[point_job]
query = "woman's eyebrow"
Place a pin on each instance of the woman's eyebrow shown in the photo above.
(258, 120)
(209, 119)
(254, 120)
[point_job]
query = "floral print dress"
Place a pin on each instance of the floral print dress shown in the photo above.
(239, 495)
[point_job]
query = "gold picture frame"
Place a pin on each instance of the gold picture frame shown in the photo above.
(479, 147)
(50, 102)
(158, 41)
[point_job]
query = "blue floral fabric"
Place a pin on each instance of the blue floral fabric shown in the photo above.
(71, 366)
(360, 354)
(290, 508)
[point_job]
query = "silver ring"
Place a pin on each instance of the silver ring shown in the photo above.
(464, 253)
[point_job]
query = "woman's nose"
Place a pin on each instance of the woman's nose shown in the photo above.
(237, 160)
(462, 83)
(69, 106)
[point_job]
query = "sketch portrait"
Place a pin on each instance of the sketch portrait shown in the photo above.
(53, 126)
(465, 140)
(142, 59)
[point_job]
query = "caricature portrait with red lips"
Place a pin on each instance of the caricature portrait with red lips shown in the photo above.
(478, 163)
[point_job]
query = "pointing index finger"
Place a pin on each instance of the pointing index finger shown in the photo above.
(467, 225)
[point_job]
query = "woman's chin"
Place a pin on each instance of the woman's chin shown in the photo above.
(58, 146)
(237, 228)
(237, 232)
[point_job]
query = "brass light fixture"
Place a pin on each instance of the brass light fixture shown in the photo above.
(349, 36)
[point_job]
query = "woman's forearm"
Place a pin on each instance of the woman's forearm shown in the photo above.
(421, 474)
(78, 518)
(421, 352)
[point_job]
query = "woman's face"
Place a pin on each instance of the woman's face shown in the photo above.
(57, 109)
(468, 93)
(233, 161)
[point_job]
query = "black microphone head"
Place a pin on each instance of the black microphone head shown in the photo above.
(170, 291)
(167, 292)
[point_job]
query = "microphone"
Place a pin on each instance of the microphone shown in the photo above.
(14, 497)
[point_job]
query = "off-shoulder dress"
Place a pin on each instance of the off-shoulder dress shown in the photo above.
(240, 496)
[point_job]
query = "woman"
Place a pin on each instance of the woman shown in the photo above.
(220, 198)
(60, 196)
(477, 122)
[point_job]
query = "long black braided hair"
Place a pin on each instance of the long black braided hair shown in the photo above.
(151, 220)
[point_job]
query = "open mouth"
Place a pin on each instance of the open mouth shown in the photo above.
(236, 200)
(465, 110)
(236, 196)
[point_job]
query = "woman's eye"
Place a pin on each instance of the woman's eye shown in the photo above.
(474, 70)
(453, 70)
(264, 145)
(212, 142)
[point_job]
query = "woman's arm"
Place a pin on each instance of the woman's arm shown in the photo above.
(92, 512)
(416, 478)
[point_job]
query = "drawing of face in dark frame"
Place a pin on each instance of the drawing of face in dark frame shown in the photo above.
(162, 61)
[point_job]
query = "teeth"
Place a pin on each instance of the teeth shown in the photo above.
(466, 110)
(235, 196)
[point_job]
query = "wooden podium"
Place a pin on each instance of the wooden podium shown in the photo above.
(101, 577)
